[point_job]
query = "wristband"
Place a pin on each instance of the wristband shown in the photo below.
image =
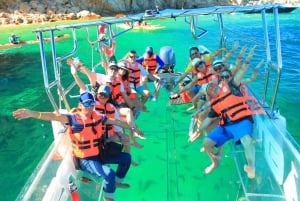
(40, 115)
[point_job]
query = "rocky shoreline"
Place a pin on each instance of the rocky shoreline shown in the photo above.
(34, 12)
(21, 12)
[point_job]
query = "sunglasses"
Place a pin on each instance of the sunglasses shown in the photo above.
(225, 76)
(113, 69)
(132, 56)
(199, 65)
(88, 104)
(218, 68)
(102, 95)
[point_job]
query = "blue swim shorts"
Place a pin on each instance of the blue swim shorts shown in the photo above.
(235, 131)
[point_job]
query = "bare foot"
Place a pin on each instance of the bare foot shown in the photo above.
(210, 168)
(194, 136)
(250, 171)
(145, 109)
(174, 96)
(139, 134)
(133, 163)
(191, 108)
(122, 185)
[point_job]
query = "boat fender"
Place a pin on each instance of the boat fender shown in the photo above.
(185, 97)
(109, 50)
(73, 191)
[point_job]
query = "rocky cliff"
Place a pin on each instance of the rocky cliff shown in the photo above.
(34, 11)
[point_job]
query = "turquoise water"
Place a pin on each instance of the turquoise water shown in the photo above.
(23, 142)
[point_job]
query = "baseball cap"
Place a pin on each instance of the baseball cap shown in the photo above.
(104, 89)
(217, 62)
(149, 50)
(85, 97)
(113, 64)
(196, 61)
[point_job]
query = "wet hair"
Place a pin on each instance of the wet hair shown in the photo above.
(132, 51)
(193, 49)
(126, 75)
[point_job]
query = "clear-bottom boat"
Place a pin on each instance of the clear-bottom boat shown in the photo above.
(172, 167)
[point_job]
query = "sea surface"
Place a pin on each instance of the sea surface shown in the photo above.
(23, 143)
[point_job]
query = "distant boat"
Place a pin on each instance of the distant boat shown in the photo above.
(256, 6)
(21, 43)
(282, 8)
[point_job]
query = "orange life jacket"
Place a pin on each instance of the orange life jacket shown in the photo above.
(134, 74)
(86, 142)
(229, 106)
(116, 92)
(150, 63)
(108, 110)
(204, 77)
(127, 89)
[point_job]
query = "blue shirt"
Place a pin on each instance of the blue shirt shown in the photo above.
(160, 62)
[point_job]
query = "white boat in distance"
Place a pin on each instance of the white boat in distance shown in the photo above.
(277, 153)
(269, 8)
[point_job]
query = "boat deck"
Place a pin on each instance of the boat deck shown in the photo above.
(172, 169)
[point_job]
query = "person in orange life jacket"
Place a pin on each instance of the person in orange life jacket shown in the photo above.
(126, 113)
(150, 61)
(217, 66)
(129, 94)
(203, 54)
(220, 67)
(201, 98)
(97, 79)
(136, 76)
(241, 90)
(85, 131)
(202, 75)
(103, 106)
(235, 123)
(235, 118)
